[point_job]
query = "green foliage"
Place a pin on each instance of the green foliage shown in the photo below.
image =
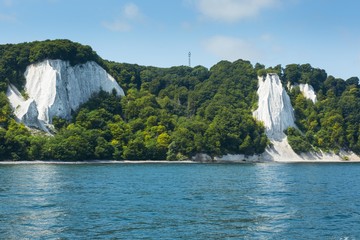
(169, 113)
(5, 110)
(14, 58)
(174, 113)
(261, 72)
(59, 122)
(16, 142)
(333, 122)
(295, 73)
(297, 141)
(277, 70)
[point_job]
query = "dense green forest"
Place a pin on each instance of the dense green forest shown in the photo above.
(332, 123)
(174, 113)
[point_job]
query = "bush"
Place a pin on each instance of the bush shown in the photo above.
(297, 141)
(261, 72)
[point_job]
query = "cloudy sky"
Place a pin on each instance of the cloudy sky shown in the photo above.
(324, 33)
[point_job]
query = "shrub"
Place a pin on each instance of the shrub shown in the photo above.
(297, 141)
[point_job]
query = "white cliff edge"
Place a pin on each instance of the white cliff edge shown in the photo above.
(306, 89)
(276, 112)
(274, 107)
(55, 88)
(308, 92)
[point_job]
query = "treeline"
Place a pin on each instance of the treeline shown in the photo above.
(167, 113)
(174, 113)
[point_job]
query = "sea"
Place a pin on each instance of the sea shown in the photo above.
(180, 201)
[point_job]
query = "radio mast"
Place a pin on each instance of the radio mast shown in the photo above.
(189, 59)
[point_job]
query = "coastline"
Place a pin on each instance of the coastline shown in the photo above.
(278, 152)
(94, 162)
(240, 161)
(318, 161)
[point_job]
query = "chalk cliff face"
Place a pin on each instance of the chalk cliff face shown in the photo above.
(308, 91)
(25, 110)
(276, 112)
(55, 88)
(274, 108)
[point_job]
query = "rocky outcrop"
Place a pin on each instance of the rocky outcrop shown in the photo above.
(274, 107)
(25, 110)
(55, 88)
(276, 112)
(306, 89)
(308, 92)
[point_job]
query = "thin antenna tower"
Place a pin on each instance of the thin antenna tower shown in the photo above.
(189, 59)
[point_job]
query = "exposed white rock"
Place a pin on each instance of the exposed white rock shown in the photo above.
(274, 107)
(281, 151)
(25, 110)
(276, 112)
(55, 88)
(308, 91)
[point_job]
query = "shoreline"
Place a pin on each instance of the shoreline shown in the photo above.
(317, 161)
(94, 162)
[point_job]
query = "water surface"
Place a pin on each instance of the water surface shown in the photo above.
(180, 201)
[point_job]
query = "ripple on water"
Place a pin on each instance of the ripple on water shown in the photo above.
(257, 201)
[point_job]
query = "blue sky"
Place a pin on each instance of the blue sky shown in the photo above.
(324, 33)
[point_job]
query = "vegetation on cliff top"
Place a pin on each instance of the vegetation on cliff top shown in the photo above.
(332, 123)
(174, 113)
(14, 58)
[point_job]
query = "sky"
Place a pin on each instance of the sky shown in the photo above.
(324, 33)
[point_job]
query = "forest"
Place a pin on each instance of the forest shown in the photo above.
(174, 113)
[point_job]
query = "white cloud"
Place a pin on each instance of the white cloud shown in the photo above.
(118, 26)
(230, 48)
(130, 14)
(232, 10)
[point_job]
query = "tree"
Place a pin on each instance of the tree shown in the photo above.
(175, 112)
(17, 141)
(103, 149)
(297, 141)
(292, 73)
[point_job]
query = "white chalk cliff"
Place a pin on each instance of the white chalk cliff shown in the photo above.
(274, 107)
(55, 88)
(308, 92)
(276, 112)
(306, 89)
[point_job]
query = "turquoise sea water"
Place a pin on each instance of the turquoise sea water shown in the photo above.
(180, 201)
